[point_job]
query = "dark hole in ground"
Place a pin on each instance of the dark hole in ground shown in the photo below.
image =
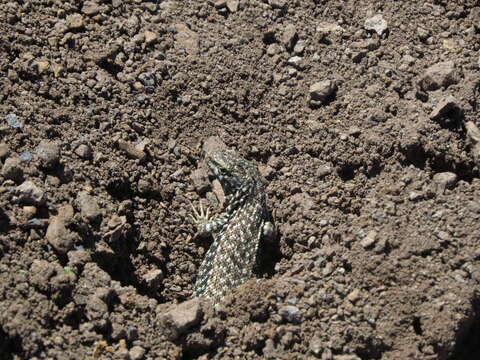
(417, 325)
(468, 345)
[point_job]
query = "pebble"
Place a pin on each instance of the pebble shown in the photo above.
(444, 106)
(289, 37)
(84, 151)
(445, 179)
(147, 78)
(75, 22)
(232, 5)
(4, 150)
(91, 8)
(11, 169)
(414, 196)
(13, 121)
(369, 240)
(41, 66)
(353, 296)
(187, 39)
(181, 317)
(59, 236)
(153, 279)
(376, 23)
(89, 207)
(150, 37)
(473, 133)
(137, 353)
(200, 180)
(291, 314)
(439, 75)
(48, 153)
(131, 150)
(321, 90)
(277, 4)
(26, 156)
(30, 194)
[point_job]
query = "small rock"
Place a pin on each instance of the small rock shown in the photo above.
(84, 151)
(291, 314)
(414, 196)
(147, 79)
(132, 150)
(41, 66)
(132, 333)
(75, 22)
(277, 4)
(354, 296)
(315, 346)
(232, 5)
(369, 240)
(376, 23)
(181, 317)
(48, 153)
(13, 122)
(137, 353)
(289, 37)
(321, 90)
(29, 211)
(445, 180)
(423, 34)
(473, 133)
(26, 156)
(91, 8)
(150, 37)
(187, 39)
(443, 107)
(59, 236)
(325, 28)
(200, 180)
(442, 74)
(346, 357)
(30, 194)
(89, 207)
(153, 279)
(4, 150)
(11, 169)
(78, 258)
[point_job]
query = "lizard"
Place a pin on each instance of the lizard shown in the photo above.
(236, 233)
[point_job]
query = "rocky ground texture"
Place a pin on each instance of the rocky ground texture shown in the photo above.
(361, 115)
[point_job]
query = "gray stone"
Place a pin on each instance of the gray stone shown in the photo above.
(88, 206)
(442, 74)
(473, 134)
(289, 37)
(48, 153)
(153, 279)
(11, 169)
(277, 4)
(30, 194)
(369, 240)
(84, 151)
(232, 5)
(137, 353)
(321, 90)
(443, 107)
(4, 150)
(376, 23)
(13, 121)
(59, 236)
(291, 314)
(181, 317)
(445, 179)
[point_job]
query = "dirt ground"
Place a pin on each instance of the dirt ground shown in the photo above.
(362, 117)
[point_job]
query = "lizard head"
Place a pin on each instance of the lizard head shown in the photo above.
(234, 172)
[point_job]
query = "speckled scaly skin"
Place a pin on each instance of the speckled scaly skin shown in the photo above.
(232, 256)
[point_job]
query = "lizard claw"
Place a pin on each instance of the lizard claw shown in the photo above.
(201, 215)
